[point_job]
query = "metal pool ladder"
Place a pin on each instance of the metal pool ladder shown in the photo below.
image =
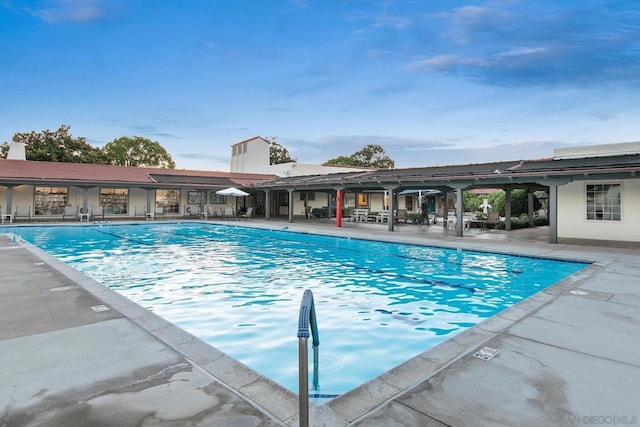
(306, 321)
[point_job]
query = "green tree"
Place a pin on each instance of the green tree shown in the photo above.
(4, 150)
(520, 203)
(371, 155)
(277, 153)
(139, 152)
(496, 200)
(57, 146)
(472, 201)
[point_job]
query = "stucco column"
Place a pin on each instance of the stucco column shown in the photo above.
(393, 202)
(459, 212)
(445, 208)
(267, 204)
(507, 209)
(290, 191)
(85, 198)
(149, 200)
(338, 208)
(553, 213)
(530, 208)
(9, 199)
(328, 206)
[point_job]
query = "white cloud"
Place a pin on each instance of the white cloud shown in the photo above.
(397, 22)
(524, 51)
(444, 62)
(75, 11)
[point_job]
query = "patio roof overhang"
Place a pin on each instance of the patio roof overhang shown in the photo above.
(533, 175)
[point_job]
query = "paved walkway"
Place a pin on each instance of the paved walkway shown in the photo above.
(567, 356)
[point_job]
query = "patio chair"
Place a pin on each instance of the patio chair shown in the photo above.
(69, 212)
(383, 216)
(22, 212)
(401, 216)
(248, 214)
(6, 217)
(493, 219)
(228, 213)
(360, 215)
(540, 213)
(140, 211)
(214, 213)
(84, 214)
(97, 212)
(159, 212)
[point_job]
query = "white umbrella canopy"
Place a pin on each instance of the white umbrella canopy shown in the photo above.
(232, 191)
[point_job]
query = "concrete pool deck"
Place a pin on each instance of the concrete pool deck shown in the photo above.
(567, 356)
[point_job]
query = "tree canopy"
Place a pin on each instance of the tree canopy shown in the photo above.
(277, 153)
(57, 146)
(60, 146)
(371, 155)
(139, 152)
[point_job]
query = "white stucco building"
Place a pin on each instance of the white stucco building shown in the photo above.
(253, 156)
(602, 209)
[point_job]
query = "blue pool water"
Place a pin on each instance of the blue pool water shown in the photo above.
(378, 304)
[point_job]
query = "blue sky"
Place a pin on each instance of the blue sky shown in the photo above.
(432, 82)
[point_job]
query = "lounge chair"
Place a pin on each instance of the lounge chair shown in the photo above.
(69, 212)
(228, 213)
(401, 216)
(212, 213)
(97, 212)
(140, 211)
(248, 214)
(159, 212)
(22, 212)
(383, 216)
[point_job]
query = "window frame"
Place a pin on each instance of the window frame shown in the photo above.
(53, 206)
(601, 204)
(115, 203)
(217, 199)
(168, 199)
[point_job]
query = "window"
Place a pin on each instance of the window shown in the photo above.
(309, 196)
(217, 199)
(114, 200)
(408, 203)
(194, 197)
(168, 200)
(50, 200)
(603, 202)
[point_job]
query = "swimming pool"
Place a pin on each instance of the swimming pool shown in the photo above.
(239, 289)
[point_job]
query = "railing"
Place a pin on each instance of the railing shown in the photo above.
(307, 320)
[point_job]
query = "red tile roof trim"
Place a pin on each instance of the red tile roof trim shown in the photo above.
(21, 170)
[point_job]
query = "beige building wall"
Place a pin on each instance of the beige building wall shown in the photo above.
(253, 156)
(250, 155)
(572, 222)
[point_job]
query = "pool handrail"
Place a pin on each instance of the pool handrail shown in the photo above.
(306, 321)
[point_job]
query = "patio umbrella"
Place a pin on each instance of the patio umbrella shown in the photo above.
(232, 191)
(543, 195)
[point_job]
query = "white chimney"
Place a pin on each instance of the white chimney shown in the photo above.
(17, 151)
